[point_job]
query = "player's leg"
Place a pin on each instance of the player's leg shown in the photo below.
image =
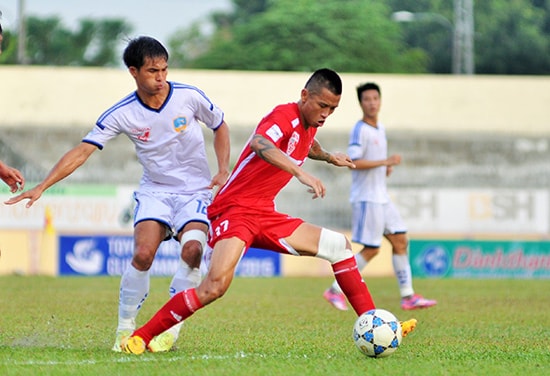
(333, 246)
(192, 239)
(402, 267)
(396, 233)
(225, 257)
(134, 284)
(367, 229)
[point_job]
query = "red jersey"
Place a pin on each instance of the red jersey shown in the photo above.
(255, 182)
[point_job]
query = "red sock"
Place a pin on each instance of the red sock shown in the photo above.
(181, 306)
(352, 284)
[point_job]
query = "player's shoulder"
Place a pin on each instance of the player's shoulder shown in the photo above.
(187, 89)
(125, 104)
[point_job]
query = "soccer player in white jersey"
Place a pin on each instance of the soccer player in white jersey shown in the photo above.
(373, 213)
(162, 119)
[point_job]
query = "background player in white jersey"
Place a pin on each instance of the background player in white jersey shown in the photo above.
(373, 213)
(162, 119)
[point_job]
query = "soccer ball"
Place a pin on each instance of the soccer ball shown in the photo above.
(377, 333)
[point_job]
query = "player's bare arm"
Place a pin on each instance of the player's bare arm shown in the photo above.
(337, 158)
(222, 150)
(73, 159)
(266, 150)
(363, 164)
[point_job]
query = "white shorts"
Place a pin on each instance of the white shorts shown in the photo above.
(171, 209)
(371, 221)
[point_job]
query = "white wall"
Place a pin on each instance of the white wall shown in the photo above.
(67, 97)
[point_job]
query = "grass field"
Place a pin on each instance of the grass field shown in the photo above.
(277, 326)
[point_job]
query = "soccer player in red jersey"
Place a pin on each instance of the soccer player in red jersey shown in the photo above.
(243, 213)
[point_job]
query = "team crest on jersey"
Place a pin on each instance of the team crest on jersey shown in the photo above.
(294, 139)
(180, 124)
(142, 134)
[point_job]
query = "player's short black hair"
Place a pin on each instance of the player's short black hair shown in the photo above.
(140, 48)
(367, 86)
(324, 78)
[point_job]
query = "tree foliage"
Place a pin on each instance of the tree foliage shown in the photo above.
(348, 35)
(49, 42)
(511, 36)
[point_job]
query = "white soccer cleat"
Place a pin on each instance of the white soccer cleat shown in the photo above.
(120, 336)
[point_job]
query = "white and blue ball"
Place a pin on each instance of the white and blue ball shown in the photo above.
(377, 333)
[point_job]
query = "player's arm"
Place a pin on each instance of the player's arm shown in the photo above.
(338, 159)
(73, 159)
(270, 153)
(222, 150)
(364, 164)
(12, 177)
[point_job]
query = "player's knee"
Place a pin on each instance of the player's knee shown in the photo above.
(400, 245)
(333, 246)
(369, 252)
(143, 258)
(192, 245)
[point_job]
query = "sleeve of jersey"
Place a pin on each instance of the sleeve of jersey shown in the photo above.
(273, 127)
(356, 142)
(207, 112)
(101, 133)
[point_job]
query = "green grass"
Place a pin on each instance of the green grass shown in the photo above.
(277, 326)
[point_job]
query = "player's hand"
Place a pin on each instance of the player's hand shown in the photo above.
(389, 170)
(341, 160)
(13, 178)
(32, 195)
(315, 185)
(393, 160)
(218, 180)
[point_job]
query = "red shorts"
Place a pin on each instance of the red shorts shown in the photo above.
(257, 228)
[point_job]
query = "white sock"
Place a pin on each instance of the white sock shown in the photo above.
(361, 263)
(184, 278)
(134, 288)
(402, 268)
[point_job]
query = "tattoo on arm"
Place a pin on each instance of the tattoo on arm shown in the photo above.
(318, 153)
(261, 146)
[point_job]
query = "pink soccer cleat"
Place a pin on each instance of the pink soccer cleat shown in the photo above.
(415, 302)
(337, 299)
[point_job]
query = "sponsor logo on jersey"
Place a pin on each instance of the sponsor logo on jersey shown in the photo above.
(180, 124)
(274, 132)
(142, 134)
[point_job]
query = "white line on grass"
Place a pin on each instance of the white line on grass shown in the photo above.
(132, 359)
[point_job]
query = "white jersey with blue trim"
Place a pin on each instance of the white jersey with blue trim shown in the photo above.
(368, 143)
(168, 141)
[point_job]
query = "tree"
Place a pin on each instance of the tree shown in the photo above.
(349, 36)
(513, 37)
(49, 42)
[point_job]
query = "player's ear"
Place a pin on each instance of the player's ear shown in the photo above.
(133, 71)
(303, 95)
